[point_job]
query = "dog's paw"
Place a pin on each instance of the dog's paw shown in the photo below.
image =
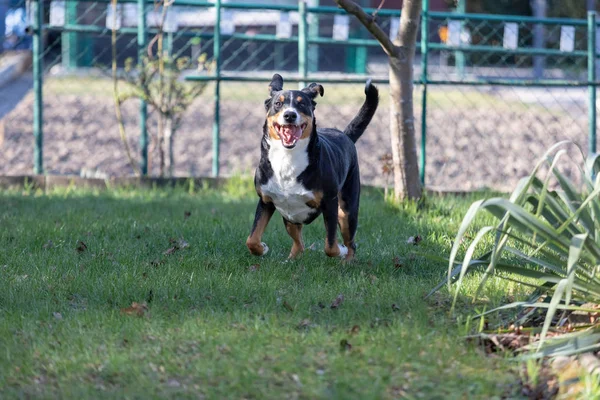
(343, 250)
(265, 248)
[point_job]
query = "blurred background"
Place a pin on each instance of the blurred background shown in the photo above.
(506, 79)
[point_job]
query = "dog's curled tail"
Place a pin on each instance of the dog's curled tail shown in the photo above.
(358, 125)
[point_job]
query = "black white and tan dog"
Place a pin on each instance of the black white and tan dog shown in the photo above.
(305, 171)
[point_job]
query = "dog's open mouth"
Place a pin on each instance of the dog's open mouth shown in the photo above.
(289, 134)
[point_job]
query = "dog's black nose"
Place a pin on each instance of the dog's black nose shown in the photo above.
(289, 116)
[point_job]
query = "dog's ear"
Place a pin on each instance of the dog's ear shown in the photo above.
(276, 84)
(268, 103)
(313, 90)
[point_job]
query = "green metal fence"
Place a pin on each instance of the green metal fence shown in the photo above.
(476, 88)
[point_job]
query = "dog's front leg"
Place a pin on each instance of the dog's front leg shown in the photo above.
(330, 215)
(264, 212)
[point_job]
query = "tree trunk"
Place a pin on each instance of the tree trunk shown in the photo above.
(401, 53)
(402, 131)
(402, 119)
(170, 159)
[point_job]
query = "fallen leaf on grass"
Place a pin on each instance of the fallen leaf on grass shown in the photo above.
(338, 301)
(176, 245)
(305, 323)
(345, 345)
(139, 309)
(171, 250)
(81, 247)
(397, 263)
(288, 306)
(414, 240)
(254, 267)
(173, 383)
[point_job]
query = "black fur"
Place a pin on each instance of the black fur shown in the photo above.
(332, 169)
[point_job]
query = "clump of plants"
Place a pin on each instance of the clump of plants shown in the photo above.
(158, 80)
(546, 237)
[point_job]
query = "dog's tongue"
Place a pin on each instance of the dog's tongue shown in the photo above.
(290, 133)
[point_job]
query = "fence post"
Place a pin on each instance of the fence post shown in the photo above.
(313, 32)
(302, 43)
(38, 71)
(424, 78)
(461, 8)
(141, 41)
(217, 61)
(592, 80)
(69, 39)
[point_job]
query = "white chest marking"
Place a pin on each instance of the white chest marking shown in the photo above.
(289, 196)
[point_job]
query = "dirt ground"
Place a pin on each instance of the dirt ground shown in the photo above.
(475, 138)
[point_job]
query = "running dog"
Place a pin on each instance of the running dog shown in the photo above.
(304, 171)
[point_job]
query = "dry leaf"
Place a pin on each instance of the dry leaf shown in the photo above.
(254, 267)
(81, 247)
(345, 345)
(170, 250)
(338, 301)
(288, 306)
(176, 245)
(139, 309)
(397, 262)
(414, 240)
(150, 297)
(304, 323)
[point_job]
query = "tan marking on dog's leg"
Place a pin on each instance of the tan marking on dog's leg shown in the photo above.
(344, 222)
(346, 234)
(295, 232)
(253, 242)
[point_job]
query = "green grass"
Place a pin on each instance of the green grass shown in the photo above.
(216, 327)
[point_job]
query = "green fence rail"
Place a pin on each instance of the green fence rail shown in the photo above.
(467, 59)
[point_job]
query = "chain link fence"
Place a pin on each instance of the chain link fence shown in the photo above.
(500, 89)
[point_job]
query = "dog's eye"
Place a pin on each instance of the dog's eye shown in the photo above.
(277, 104)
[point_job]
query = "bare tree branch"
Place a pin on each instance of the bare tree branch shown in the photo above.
(378, 8)
(369, 22)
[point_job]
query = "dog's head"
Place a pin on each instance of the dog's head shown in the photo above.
(290, 113)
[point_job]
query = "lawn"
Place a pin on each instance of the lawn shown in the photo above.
(219, 322)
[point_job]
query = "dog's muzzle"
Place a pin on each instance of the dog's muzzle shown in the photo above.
(289, 134)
